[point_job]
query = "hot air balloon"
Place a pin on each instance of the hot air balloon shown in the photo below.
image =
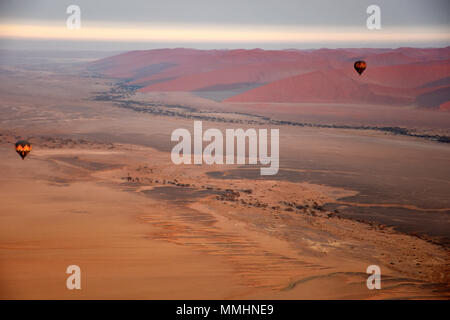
(23, 148)
(360, 66)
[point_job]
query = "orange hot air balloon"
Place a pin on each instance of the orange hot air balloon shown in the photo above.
(360, 66)
(23, 148)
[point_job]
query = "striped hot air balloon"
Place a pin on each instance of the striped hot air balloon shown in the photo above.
(23, 148)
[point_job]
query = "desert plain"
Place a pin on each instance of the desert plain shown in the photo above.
(99, 191)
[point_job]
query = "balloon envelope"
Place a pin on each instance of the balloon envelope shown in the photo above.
(360, 66)
(23, 147)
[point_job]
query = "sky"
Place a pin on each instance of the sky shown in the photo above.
(211, 24)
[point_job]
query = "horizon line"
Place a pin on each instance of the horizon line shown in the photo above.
(219, 34)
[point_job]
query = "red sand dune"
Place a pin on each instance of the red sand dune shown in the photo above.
(324, 86)
(408, 75)
(445, 106)
(393, 76)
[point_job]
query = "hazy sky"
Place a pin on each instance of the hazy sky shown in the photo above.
(133, 24)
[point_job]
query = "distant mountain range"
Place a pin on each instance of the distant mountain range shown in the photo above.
(404, 76)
